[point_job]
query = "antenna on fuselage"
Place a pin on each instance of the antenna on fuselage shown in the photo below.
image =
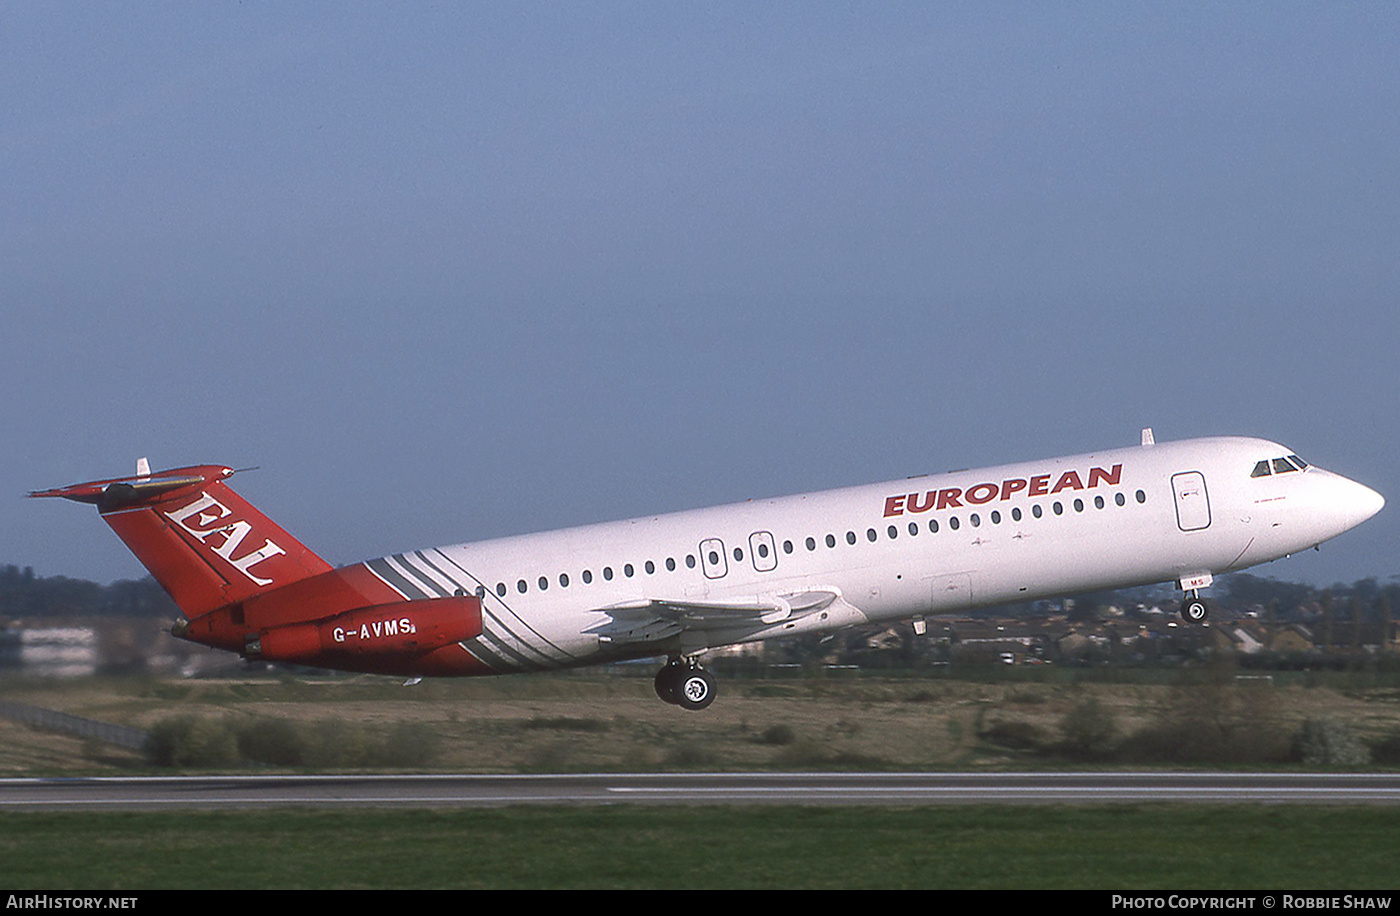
(1147, 441)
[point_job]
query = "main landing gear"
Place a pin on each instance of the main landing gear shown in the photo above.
(684, 683)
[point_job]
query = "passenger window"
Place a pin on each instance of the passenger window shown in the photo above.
(1261, 469)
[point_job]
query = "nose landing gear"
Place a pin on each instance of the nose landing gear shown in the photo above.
(1193, 609)
(1193, 606)
(686, 684)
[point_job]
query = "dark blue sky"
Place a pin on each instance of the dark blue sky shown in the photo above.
(447, 272)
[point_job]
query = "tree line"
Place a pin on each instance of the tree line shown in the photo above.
(26, 596)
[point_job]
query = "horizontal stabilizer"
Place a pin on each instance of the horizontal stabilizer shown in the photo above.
(123, 492)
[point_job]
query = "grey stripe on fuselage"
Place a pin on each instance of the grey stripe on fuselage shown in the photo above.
(519, 624)
(500, 638)
(396, 580)
(485, 648)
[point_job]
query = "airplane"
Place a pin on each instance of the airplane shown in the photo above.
(681, 584)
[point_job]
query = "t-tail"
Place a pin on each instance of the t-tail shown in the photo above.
(248, 586)
(206, 545)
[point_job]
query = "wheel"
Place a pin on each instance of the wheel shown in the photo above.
(1194, 610)
(697, 689)
(668, 683)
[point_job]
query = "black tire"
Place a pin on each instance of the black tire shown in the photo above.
(696, 689)
(668, 681)
(1194, 610)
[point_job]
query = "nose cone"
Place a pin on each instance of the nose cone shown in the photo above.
(1361, 502)
(1334, 504)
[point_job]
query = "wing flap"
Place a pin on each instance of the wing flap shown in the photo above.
(657, 618)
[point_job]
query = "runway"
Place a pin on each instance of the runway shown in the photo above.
(440, 791)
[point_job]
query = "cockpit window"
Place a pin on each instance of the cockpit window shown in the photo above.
(1278, 466)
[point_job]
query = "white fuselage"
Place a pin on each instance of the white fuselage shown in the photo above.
(902, 549)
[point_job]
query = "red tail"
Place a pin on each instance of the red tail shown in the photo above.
(205, 544)
(228, 567)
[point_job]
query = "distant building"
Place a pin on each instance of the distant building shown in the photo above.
(1292, 638)
(1243, 639)
(50, 651)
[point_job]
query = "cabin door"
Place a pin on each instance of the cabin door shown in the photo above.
(1192, 502)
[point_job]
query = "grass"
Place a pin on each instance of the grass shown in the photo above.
(577, 721)
(1107, 847)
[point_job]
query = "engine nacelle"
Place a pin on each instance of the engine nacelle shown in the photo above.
(406, 628)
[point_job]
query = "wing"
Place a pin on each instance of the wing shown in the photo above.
(659, 619)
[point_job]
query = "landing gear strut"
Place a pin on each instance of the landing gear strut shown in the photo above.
(686, 684)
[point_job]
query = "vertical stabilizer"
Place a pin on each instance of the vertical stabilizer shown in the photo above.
(206, 545)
